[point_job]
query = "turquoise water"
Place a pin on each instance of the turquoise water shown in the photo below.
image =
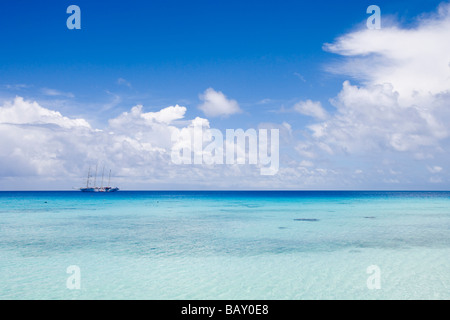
(225, 245)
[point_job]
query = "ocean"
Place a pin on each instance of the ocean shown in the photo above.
(249, 245)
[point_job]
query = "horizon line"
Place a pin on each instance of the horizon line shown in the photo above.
(246, 190)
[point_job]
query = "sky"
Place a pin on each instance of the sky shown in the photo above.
(356, 108)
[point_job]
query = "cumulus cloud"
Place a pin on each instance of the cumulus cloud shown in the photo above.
(371, 118)
(415, 61)
(40, 142)
(215, 104)
(311, 108)
(147, 131)
(37, 141)
(47, 147)
(20, 111)
(399, 109)
(42, 147)
(165, 115)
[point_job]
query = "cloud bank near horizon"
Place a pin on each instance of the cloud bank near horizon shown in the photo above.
(398, 115)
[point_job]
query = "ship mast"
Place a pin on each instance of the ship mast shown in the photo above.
(109, 178)
(89, 173)
(95, 178)
(103, 173)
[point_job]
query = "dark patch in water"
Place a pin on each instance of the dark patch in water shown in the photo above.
(369, 217)
(303, 219)
(252, 205)
(282, 228)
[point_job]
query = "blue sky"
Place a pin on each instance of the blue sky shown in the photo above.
(268, 56)
(170, 51)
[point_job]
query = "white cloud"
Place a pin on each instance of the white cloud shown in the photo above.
(150, 129)
(17, 86)
(40, 142)
(414, 60)
(300, 76)
(434, 169)
(20, 111)
(40, 147)
(371, 118)
(114, 102)
(165, 115)
(54, 92)
(311, 108)
(402, 104)
(215, 104)
(397, 115)
(306, 163)
(264, 101)
(37, 142)
(122, 81)
(306, 150)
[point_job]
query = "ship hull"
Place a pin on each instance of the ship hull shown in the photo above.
(107, 189)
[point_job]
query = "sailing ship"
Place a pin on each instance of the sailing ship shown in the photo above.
(95, 188)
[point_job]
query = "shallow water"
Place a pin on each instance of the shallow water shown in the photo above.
(225, 245)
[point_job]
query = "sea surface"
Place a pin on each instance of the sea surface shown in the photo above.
(225, 245)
